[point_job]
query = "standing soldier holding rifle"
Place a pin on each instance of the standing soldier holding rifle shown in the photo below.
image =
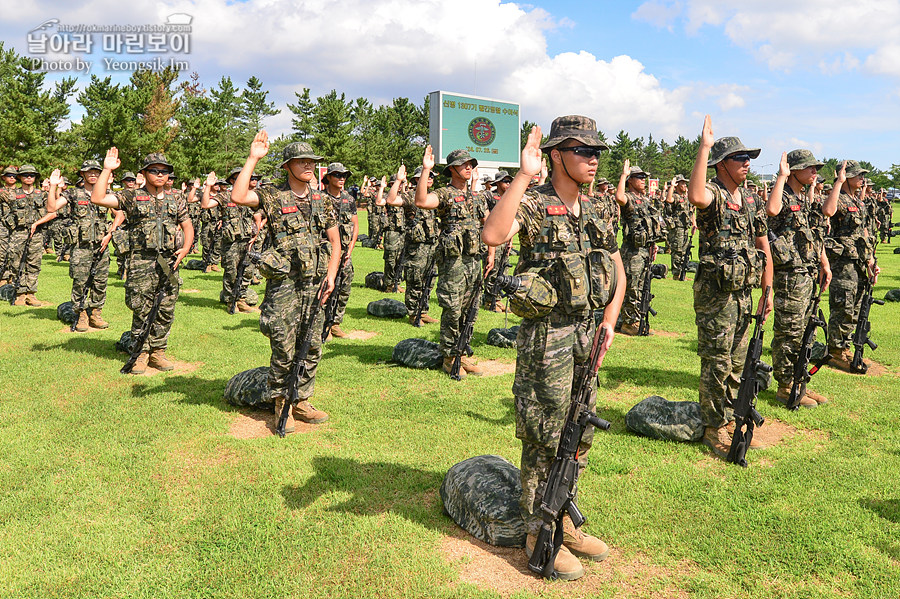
(27, 207)
(568, 267)
(682, 226)
(335, 181)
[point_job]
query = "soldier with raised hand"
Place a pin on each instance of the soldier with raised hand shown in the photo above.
(298, 217)
(335, 181)
(394, 237)
(154, 217)
(734, 258)
(797, 260)
(566, 247)
(211, 236)
(641, 230)
(91, 235)
(7, 221)
(682, 215)
(851, 251)
(458, 257)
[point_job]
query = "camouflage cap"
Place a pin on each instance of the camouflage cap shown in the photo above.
(752, 185)
(726, 146)
(90, 165)
(156, 158)
(128, 175)
(298, 149)
(827, 187)
(234, 173)
(602, 181)
(502, 176)
(573, 126)
(680, 179)
(801, 159)
(636, 170)
(27, 169)
(221, 182)
(10, 170)
(456, 158)
(417, 173)
(853, 169)
(337, 167)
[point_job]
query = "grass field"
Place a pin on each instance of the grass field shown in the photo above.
(122, 486)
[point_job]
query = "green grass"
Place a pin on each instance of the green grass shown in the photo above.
(117, 486)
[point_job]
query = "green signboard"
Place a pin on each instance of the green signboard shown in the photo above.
(487, 128)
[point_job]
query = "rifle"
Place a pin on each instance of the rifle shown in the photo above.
(21, 270)
(801, 375)
(501, 267)
(238, 285)
(167, 281)
(652, 271)
(687, 255)
(746, 417)
(861, 335)
(298, 368)
(95, 264)
(561, 486)
(332, 303)
(426, 292)
(466, 330)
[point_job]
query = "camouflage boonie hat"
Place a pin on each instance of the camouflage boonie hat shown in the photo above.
(417, 173)
(502, 176)
(636, 170)
(573, 126)
(298, 149)
(28, 169)
(128, 175)
(156, 158)
(10, 170)
(680, 179)
(726, 146)
(90, 165)
(234, 173)
(337, 167)
(827, 187)
(602, 181)
(820, 179)
(853, 169)
(221, 182)
(801, 159)
(456, 158)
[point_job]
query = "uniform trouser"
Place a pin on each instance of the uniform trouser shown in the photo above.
(844, 299)
(32, 266)
(793, 293)
(140, 292)
(723, 322)
(635, 261)
(375, 226)
(285, 312)
(418, 258)
(232, 252)
(4, 252)
(393, 250)
(679, 237)
(80, 269)
(549, 351)
(459, 279)
(212, 249)
(346, 274)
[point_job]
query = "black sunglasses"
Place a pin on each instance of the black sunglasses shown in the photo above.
(583, 151)
(157, 171)
(254, 178)
(739, 157)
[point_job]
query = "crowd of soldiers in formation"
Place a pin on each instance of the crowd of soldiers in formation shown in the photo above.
(796, 235)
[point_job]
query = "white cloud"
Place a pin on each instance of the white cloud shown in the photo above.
(660, 14)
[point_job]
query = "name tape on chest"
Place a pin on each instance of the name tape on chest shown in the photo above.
(732, 206)
(556, 210)
(289, 209)
(795, 208)
(83, 202)
(852, 209)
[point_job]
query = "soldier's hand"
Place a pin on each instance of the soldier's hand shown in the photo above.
(707, 138)
(825, 275)
(401, 173)
(383, 181)
(607, 342)
(105, 242)
(184, 187)
(140, 180)
(112, 161)
(531, 153)
(545, 170)
(260, 146)
(784, 169)
(211, 179)
(327, 288)
(841, 175)
(626, 168)
(197, 183)
(768, 301)
(55, 177)
(428, 158)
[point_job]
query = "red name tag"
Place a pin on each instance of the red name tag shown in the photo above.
(231, 204)
(732, 206)
(795, 208)
(142, 199)
(288, 209)
(83, 202)
(556, 210)
(637, 201)
(459, 199)
(852, 209)
(751, 201)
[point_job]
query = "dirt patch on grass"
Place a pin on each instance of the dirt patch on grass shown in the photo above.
(180, 368)
(190, 291)
(666, 333)
(259, 424)
(773, 432)
(496, 367)
(68, 329)
(361, 335)
(875, 369)
(504, 570)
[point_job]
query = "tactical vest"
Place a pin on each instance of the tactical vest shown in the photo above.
(237, 221)
(393, 218)
(298, 237)
(26, 208)
(345, 210)
(728, 240)
(680, 209)
(642, 227)
(153, 224)
(847, 240)
(460, 233)
(794, 244)
(421, 224)
(574, 261)
(88, 225)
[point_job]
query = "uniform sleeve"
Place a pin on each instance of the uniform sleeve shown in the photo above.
(529, 218)
(126, 200)
(181, 209)
(329, 221)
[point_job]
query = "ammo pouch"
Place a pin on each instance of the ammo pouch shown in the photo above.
(416, 233)
(569, 272)
(451, 242)
(120, 240)
(602, 278)
(535, 297)
(273, 266)
(740, 270)
(639, 238)
(471, 242)
(781, 251)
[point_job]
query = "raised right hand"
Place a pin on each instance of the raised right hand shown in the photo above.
(428, 158)
(531, 153)
(112, 161)
(211, 179)
(55, 177)
(707, 138)
(260, 146)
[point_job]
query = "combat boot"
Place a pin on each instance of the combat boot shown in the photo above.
(816, 397)
(209, 268)
(448, 366)
(754, 442)
(566, 565)
(630, 329)
(82, 325)
(140, 365)
(718, 440)
(30, 300)
(468, 364)
(306, 412)
(429, 320)
(581, 544)
(158, 360)
(242, 306)
(20, 300)
(215, 268)
(784, 394)
(337, 331)
(289, 425)
(96, 319)
(841, 359)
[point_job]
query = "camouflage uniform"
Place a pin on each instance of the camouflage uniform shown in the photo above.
(211, 237)
(393, 245)
(6, 226)
(344, 211)
(730, 266)
(421, 243)
(23, 210)
(641, 230)
(89, 228)
(296, 227)
(679, 237)
(552, 349)
(376, 220)
(236, 230)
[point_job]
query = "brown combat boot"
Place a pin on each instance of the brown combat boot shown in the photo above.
(429, 320)
(140, 365)
(82, 325)
(3, 282)
(755, 443)
(468, 364)
(784, 394)
(840, 359)
(337, 331)
(209, 268)
(242, 306)
(306, 412)
(718, 440)
(448, 366)
(566, 565)
(816, 397)
(215, 268)
(30, 300)
(581, 544)
(289, 425)
(96, 319)
(20, 300)
(630, 329)
(158, 360)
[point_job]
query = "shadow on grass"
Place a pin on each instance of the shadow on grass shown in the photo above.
(252, 323)
(376, 488)
(889, 509)
(44, 313)
(366, 352)
(102, 348)
(192, 389)
(649, 377)
(192, 299)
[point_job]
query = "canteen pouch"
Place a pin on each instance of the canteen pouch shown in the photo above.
(273, 266)
(573, 283)
(535, 297)
(602, 278)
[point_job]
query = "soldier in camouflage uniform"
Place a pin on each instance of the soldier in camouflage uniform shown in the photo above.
(335, 180)
(26, 211)
(642, 228)
(237, 231)
(394, 238)
(298, 218)
(885, 212)
(734, 257)
(458, 254)
(797, 262)
(375, 212)
(681, 222)
(119, 228)
(211, 237)
(8, 178)
(500, 184)
(154, 217)
(851, 251)
(89, 238)
(566, 243)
